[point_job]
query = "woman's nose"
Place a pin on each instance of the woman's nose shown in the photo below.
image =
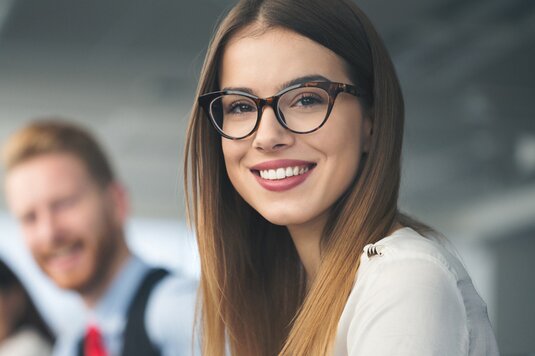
(271, 135)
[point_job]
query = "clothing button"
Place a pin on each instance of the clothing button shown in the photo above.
(373, 250)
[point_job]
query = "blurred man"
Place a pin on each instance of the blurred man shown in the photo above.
(72, 211)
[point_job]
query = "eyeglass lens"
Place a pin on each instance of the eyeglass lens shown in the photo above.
(301, 109)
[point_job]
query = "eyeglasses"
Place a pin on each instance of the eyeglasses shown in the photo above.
(301, 108)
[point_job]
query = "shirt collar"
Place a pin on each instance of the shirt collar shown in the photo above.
(110, 311)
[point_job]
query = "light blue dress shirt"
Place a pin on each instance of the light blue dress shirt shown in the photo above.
(168, 318)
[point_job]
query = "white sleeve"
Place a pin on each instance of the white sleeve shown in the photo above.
(170, 314)
(408, 307)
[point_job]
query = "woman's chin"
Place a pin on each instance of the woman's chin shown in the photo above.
(286, 218)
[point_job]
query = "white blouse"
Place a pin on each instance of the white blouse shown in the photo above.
(26, 342)
(413, 297)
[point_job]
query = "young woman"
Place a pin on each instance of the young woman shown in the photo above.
(22, 329)
(293, 169)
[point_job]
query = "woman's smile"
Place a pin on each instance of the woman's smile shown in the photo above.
(282, 175)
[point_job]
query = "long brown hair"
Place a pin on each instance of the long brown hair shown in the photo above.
(253, 297)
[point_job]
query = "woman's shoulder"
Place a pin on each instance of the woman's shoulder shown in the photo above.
(409, 263)
(412, 295)
(406, 246)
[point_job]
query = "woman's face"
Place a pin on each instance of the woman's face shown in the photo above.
(262, 64)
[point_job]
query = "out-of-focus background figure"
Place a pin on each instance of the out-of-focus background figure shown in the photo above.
(128, 70)
(71, 209)
(23, 332)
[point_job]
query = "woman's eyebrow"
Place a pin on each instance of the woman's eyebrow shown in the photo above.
(304, 79)
(295, 81)
(242, 89)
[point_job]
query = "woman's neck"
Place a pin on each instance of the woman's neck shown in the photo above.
(307, 238)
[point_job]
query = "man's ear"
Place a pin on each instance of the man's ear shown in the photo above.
(119, 200)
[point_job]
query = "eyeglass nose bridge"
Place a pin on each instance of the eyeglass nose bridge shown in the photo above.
(273, 102)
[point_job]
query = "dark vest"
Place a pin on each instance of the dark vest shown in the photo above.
(136, 341)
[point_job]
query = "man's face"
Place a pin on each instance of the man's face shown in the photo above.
(72, 225)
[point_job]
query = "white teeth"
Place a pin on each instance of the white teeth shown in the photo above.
(281, 173)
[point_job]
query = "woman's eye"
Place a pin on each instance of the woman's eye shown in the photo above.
(239, 108)
(308, 100)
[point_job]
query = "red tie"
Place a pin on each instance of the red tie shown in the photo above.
(93, 345)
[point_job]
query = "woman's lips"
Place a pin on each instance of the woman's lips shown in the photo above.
(281, 175)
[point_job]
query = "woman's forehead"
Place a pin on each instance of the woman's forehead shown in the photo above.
(268, 59)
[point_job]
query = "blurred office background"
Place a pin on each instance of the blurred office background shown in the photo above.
(128, 69)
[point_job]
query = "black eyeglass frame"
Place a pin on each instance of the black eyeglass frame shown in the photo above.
(332, 89)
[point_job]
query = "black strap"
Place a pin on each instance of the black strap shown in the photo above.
(136, 341)
(80, 347)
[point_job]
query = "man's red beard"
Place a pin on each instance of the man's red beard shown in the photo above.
(97, 259)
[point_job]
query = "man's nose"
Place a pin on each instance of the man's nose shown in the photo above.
(47, 229)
